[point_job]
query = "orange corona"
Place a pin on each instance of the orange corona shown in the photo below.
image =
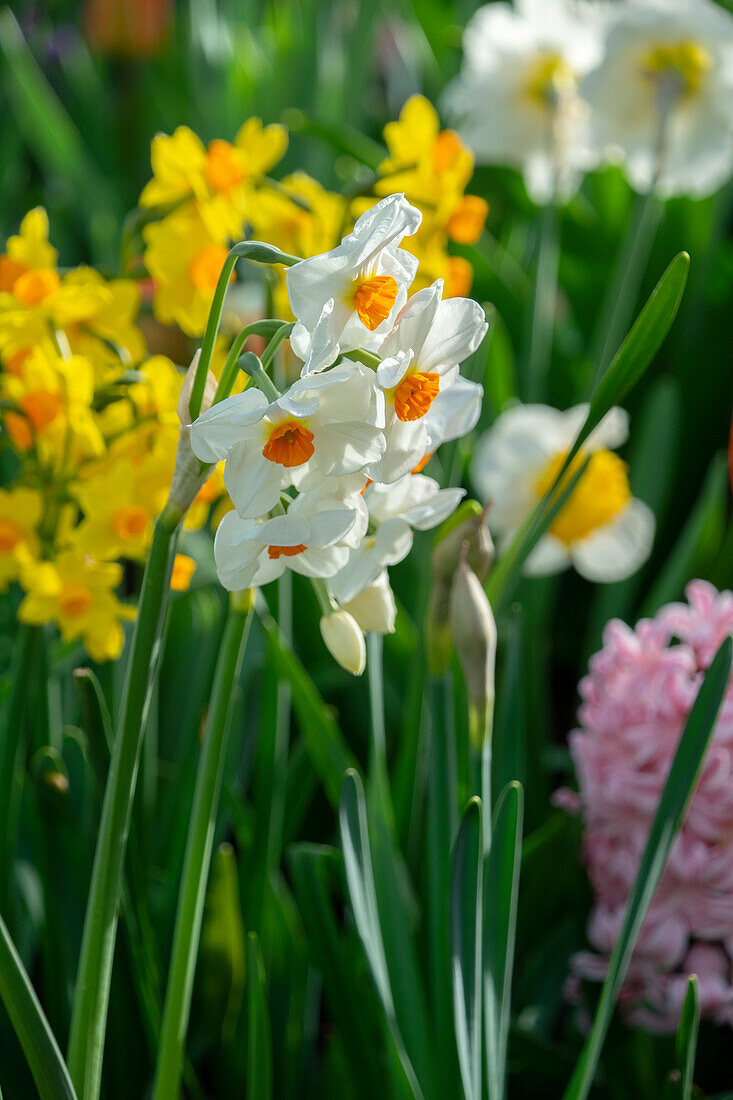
(289, 444)
(275, 552)
(415, 394)
(374, 298)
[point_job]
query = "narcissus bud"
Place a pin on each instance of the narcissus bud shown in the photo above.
(344, 641)
(374, 609)
(466, 528)
(474, 634)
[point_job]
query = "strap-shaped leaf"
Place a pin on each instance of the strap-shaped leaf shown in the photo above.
(30, 1024)
(501, 891)
(466, 903)
(686, 1039)
(259, 1039)
(676, 795)
(362, 894)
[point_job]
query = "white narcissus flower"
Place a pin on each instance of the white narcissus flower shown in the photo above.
(662, 99)
(602, 530)
(419, 367)
(324, 425)
(313, 538)
(348, 298)
(415, 501)
(516, 99)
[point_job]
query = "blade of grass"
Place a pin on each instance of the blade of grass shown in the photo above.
(675, 798)
(686, 1038)
(259, 1038)
(94, 974)
(466, 946)
(30, 1024)
(501, 891)
(187, 930)
(362, 894)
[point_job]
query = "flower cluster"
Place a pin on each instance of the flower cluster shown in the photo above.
(648, 83)
(201, 198)
(601, 529)
(636, 700)
(325, 477)
(90, 420)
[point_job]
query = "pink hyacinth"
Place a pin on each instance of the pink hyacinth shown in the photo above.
(636, 700)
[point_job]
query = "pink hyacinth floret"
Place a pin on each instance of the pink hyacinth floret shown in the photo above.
(635, 702)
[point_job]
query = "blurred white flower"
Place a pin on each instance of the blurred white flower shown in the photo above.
(348, 298)
(313, 537)
(325, 425)
(516, 99)
(662, 99)
(420, 359)
(602, 529)
(415, 501)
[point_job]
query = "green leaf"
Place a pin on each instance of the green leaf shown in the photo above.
(686, 1038)
(221, 965)
(676, 795)
(259, 1038)
(639, 347)
(353, 1007)
(30, 1024)
(328, 751)
(466, 903)
(501, 891)
(362, 894)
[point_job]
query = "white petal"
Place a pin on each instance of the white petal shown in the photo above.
(549, 556)
(252, 481)
(454, 412)
(619, 548)
(219, 429)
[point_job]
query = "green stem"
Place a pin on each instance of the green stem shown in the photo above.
(623, 290)
(230, 370)
(91, 995)
(250, 250)
(378, 784)
(543, 305)
(10, 745)
(198, 854)
(30, 1024)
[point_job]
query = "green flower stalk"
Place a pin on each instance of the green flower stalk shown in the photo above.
(198, 851)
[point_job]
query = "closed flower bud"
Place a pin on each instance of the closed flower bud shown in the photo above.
(374, 609)
(464, 533)
(467, 526)
(474, 634)
(344, 641)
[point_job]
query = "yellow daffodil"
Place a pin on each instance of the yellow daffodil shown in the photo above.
(52, 400)
(20, 515)
(109, 338)
(218, 177)
(120, 502)
(183, 570)
(77, 594)
(185, 261)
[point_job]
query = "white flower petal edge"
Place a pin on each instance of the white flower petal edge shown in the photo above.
(619, 548)
(322, 288)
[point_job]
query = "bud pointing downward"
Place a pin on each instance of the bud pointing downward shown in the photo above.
(374, 608)
(344, 641)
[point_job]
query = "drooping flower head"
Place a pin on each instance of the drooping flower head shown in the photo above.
(635, 702)
(602, 530)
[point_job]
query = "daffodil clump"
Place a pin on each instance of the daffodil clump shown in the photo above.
(203, 198)
(91, 418)
(89, 422)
